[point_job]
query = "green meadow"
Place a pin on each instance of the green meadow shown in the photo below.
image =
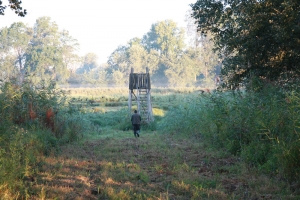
(211, 145)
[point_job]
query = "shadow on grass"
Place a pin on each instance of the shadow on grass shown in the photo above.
(151, 167)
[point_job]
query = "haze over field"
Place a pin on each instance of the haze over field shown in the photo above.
(100, 41)
(100, 26)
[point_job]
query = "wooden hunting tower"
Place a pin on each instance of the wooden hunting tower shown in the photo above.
(140, 94)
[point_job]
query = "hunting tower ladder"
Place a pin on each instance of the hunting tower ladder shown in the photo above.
(140, 94)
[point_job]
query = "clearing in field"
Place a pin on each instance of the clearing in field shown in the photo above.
(118, 166)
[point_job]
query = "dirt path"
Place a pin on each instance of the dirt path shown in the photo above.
(150, 167)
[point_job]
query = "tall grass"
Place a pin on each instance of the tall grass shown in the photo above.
(24, 136)
(261, 127)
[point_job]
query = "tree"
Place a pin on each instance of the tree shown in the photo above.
(191, 30)
(6, 61)
(139, 59)
(204, 53)
(6, 69)
(165, 37)
(133, 55)
(4, 42)
(41, 52)
(19, 36)
(45, 55)
(257, 39)
(118, 78)
(14, 5)
(181, 70)
(98, 75)
(153, 59)
(69, 49)
(118, 63)
(207, 60)
(164, 40)
(89, 62)
(90, 72)
(14, 42)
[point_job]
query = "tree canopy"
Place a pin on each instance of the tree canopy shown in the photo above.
(256, 39)
(14, 5)
(170, 62)
(165, 36)
(45, 52)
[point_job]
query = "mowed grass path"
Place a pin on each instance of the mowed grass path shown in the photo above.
(115, 165)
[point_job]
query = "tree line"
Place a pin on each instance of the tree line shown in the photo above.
(45, 52)
(258, 40)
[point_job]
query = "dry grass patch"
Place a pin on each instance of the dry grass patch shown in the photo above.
(151, 167)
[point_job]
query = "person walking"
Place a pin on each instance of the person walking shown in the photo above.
(136, 122)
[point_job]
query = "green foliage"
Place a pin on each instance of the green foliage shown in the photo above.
(44, 56)
(15, 5)
(14, 40)
(256, 38)
(18, 37)
(18, 100)
(262, 127)
(183, 66)
(165, 37)
(18, 157)
(132, 55)
(152, 126)
(89, 63)
(113, 118)
(25, 135)
(42, 50)
(163, 51)
(70, 126)
(89, 72)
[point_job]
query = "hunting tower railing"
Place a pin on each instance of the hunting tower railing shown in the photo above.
(140, 94)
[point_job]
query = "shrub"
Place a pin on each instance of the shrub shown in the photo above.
(261, 127)
(24, 136)
(19, 156)
(152, 126)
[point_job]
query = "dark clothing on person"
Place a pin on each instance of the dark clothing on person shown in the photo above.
(136, 128)
(136, 121)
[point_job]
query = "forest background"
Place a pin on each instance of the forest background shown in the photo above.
(45, 52)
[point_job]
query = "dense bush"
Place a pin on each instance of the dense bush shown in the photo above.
(18, 157)
(25, 133)
(261, 127)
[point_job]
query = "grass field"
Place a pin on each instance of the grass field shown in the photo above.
(168, 160)
(91, 100)
(115, 165)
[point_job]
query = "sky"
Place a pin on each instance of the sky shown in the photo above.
(100, 26)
